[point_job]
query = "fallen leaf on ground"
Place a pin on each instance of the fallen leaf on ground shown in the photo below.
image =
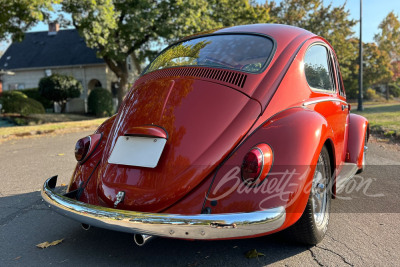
(61, 154)
(17, 258)
(63, 184)
(253, 254)
(47, 244)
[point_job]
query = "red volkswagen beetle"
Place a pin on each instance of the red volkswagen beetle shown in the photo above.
(237, 133)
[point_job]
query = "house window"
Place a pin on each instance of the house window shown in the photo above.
(12, 86)
(16, 86)
(114, 88)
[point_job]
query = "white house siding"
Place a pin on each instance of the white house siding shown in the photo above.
(29, 78)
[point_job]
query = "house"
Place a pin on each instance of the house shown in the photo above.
(55, 51)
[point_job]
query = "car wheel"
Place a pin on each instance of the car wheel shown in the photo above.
(310, 229)
(364, 160)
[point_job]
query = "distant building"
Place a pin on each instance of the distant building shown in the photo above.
(55, 51)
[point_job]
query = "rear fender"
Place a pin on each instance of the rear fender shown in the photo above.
(358, 129)
(296, 137)
(85, 173)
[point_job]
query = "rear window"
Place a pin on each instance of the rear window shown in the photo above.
(248, 53)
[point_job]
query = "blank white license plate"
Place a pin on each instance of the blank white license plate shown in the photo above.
(137, 151)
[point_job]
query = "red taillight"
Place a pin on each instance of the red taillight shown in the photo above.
(85, 147)
(252, 165)
(82, 148)
(256, 164)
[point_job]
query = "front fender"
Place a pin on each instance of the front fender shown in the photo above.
(358, 131)
(296, 137)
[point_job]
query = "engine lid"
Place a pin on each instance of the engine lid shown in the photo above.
(204, 122)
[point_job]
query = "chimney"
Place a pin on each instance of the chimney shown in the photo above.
(54, 27)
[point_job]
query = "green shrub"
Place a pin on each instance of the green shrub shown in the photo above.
(34, 94)
(12, 94)
(18, 102)
(59, 88)
(394, 89)
(100, 102)
(370, 94)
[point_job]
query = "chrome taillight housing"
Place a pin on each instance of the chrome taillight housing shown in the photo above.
(85, 147)
(256, 164)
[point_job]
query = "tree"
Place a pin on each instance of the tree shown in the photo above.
(59, 88)
(389, 37)
(377, 65)
(332, 23)
(121, 29)
(17, 16)
(388, 40)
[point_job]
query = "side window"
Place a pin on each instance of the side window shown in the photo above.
(316, 68)
(339, 77)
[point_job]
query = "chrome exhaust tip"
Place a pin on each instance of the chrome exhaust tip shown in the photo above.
(85, 226)
(140, 239)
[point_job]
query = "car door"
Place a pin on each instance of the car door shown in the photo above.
(326, 100)
(345, 107)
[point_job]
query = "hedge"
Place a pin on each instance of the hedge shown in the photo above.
(100, 102)
(18, 102)
(34, 94)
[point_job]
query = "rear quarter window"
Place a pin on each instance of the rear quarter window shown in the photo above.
(316, 68)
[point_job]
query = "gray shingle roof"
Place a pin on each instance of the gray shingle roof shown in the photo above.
(38, 49)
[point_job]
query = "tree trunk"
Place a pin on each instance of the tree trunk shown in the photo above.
(123, 88)
(120, 69)
(136, 63)
(63, 105)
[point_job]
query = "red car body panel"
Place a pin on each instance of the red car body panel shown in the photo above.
(357, 134)
(196, 145)
(212, 120)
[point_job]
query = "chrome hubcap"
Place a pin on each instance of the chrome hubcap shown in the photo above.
(319, 192)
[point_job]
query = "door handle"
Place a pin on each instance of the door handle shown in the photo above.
(344, 107)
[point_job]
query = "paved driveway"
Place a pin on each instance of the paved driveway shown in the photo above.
(363, 231)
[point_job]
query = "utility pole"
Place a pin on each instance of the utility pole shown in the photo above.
(360, 72)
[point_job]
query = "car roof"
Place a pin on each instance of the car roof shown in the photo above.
(282, 34)
(279, 32)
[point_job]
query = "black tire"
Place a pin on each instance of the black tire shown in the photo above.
(310, 229)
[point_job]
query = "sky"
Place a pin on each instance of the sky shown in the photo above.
(374, 11)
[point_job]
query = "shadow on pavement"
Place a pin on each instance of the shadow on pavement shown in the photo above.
(25, 222)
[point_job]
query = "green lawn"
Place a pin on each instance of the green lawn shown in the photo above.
(17, 131)
(383, 118)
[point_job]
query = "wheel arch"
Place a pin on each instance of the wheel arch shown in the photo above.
(358, 131)
(296, 136)
(332, 155)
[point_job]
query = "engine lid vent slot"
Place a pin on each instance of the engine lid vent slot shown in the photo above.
(231, 77)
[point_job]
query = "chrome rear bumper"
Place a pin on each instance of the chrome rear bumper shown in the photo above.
(201, 226)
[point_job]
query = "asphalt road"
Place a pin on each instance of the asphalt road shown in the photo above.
(363, 231)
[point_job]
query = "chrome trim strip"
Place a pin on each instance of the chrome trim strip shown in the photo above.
(324, 100)
(199, 226)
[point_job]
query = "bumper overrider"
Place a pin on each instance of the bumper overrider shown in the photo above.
(199, 226)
